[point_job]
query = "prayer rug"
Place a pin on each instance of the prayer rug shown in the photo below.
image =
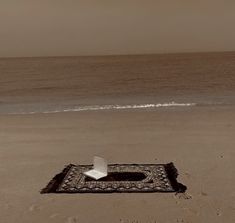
(121, 178)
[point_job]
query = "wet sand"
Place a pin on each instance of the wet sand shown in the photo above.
(198, 139)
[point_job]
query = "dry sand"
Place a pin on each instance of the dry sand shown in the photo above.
(199, 139)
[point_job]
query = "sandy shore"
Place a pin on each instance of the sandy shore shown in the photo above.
(199, 140)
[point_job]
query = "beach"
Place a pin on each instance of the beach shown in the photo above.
(42, 130)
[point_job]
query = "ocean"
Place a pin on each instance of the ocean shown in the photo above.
(64, 84)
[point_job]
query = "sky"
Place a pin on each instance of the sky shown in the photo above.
(106, 27)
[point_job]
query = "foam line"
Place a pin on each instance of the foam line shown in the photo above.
(111, 107)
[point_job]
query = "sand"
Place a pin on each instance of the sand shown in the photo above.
(198, 139)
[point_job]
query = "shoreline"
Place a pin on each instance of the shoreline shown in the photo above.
(115, 103)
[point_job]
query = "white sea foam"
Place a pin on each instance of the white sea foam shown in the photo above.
(110, 107)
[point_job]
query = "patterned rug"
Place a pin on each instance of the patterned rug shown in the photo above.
(121, 178)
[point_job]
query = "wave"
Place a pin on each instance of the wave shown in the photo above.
(109, 107)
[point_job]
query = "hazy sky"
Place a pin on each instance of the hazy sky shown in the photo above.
(95, 27)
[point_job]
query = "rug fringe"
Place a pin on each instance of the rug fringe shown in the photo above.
(172, 174)
(55, 182)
